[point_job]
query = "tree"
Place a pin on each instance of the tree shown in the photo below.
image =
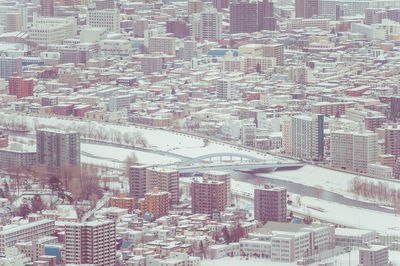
(173, 92)
(24, 209)
(37, 203)
(130, 161)
(226, 235)
(258, 68)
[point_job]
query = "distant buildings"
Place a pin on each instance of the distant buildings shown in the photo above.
(270, 204)
(91, 243)
(208, 196)
(57, 148)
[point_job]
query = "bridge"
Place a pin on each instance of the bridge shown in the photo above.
(232, 161)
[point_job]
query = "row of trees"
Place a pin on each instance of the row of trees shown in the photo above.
(375, 190)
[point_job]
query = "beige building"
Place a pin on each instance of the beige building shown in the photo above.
(165, 45)
(164, 179)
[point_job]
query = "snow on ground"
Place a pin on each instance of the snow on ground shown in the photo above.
(327, 179)
(116, 154)
(240, 261)
(183, 144)
(333, 212)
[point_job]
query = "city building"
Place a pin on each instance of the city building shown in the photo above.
(348, 237)
(353, 150)
(3, 140)
(14, 233)
(90, 243)
(17, 155)
(270, 204)
(392, 140)
(223, 177)
(47, 8)
(156, 203)
(225, 89)
(276, 51)
(165, 45)
(151, 64)
(19, 86)
(210, 27)
(9, 66)
(118, 103)
(164, 179)
(307, 137)
(137, 181)
(208, 196)
(123, 202)
(306, 8)
(57, 148)
(243, 17)
(52, 30)
(374, 255)
(248, 134)
(106, 18)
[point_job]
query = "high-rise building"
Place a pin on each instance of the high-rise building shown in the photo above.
(3, 140)
(210, 27)
(374, 15)
(107, 18)
(9, 65)
(122, 202)
(392, 140)
(222, 177)
(287, 135)
(156, 202)
(189, 50)
(195, 6)
(306, 8)
(353, 150)
(137, 181)
(265, 15)
(248, 134)
(395, 107)
(13, 22)
(90, 243)
(47, 8)
(270, 204)
(243, 17)
(308, 137)
(225, 89)
(165, 180)
(19, 86)
(179, 28)
(220, 4)
(208, 196)
(57, 148)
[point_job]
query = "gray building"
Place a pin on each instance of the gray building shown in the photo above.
(270, 204)
(16, 155)
(56, 148)
(137, 181)
(119, 102)
(9, 65)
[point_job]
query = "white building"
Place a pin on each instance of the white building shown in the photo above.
(119, 102)
(210, 25)
(248, 134)
(379, 170)
(106, 18)
(50, 30)
(115, 47)
(353, 150)
(353, 237)
(225, 89)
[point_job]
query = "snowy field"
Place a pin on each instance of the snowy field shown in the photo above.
(327, 179)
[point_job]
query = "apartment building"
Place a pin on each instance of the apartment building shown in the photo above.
(392, 140)
(287, 134)
(17, 155)
(56, 148)
(223, 177)
(90, 243)
(151, 64)
(275, 50)
(225, 89)
(306, 8)
(106, 18)
(123, 202)
(347, 237)
(137, 181)
(371, 119)
(331, 108)
(374, 255)
(164, 179)
(118, 103)
(208, 196)
(165, 45)
(210, 25)
(248, 134)
(243, 17)
(157, 203)
(270, 204)
(353, 150)
(300, 74)
(19, 86)
(47, 8)
(308, 137)
(12, 234)
(3, 140)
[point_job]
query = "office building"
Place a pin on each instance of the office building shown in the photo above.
(157, 203)
(107, 18)
(19, 86)
(52, 30)
(353, 150)
(151, 64)
(265, 15)
(9, 66)
(306, 8)
(90, 243)
(16, 155)
(47, 8)
(243, 17)
(208, 196)
(308, 137)
(210, 27)
(165, 45)
(14, 233)
(57, 148)
(270, 204)
(223, 177)
(137, 181)
(165, 180)
(119, 103)
(374, 255)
